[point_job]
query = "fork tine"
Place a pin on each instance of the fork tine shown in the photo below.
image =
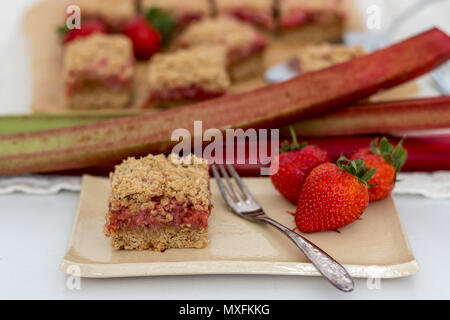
(234, 191)
(223, 189)
(241, 184)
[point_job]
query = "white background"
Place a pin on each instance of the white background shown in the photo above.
(34, 230)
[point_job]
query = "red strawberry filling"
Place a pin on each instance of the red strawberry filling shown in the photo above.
(184, 18)
(300, 16)
(175, 213)
(296, 18)
(194, 93)
(238, 54)
(90, 76)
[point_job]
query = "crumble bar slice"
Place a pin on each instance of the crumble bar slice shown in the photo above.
(256, 12)
(98, 72)
(113, 13)
(245, 45)
(187, 75)
(184, 12)
(320, 56)
(158, 203)
(306, 21)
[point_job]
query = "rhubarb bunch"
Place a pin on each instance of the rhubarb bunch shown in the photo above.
(311, 94)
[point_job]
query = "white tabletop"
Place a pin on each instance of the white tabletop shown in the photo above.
(34, 230)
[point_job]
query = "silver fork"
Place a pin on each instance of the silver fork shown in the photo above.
(242, 203)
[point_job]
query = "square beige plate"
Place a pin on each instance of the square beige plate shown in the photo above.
(375, 246)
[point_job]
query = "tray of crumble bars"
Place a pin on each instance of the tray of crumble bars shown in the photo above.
(255, 35)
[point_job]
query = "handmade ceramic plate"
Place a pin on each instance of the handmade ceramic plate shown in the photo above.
(373, 246)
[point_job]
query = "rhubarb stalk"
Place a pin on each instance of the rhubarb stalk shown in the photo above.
(367, 118)
(310, 94)
(34, 122)
(378, 118)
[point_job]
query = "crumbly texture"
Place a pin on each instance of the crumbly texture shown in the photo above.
(178, 7)
(135, 181)
(222, 30)
(96, 96)
(99, 57)
(248, 68)
(316, 57)
(200, 66)
(112, 12)
(160, 240)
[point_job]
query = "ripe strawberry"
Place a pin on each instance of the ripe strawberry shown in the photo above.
(388, 160)
(333, 196)
(87, 28)
(146, 40)
(295, 162)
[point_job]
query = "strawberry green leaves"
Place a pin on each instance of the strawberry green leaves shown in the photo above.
(395, 155)
(162, 21)
(356, 168)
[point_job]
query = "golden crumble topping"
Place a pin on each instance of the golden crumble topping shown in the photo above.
(203, 66)
(258, 5)
(103, 55)
(221, 30)
(135, 181)
(286, 6)
(177, 6)
(315, 57)
(109, 10)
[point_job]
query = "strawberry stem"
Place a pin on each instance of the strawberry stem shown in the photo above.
(294, 146)
(293, 135)
(356, 168)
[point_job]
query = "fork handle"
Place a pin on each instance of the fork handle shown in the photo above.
(327, 266)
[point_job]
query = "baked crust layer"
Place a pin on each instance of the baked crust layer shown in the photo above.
(95, 97)
(161, 239)
(330, 30)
